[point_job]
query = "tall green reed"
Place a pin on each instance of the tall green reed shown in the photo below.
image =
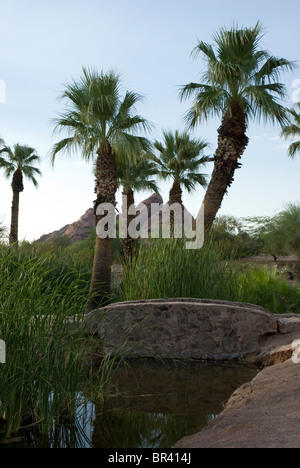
(48, 356)
(266, 286)
(165, 269)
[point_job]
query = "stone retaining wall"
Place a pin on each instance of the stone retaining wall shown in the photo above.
(186, 329)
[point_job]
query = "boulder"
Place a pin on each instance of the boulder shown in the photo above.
(261, 414)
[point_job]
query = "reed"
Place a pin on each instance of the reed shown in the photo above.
(48, 361)
(165, 269)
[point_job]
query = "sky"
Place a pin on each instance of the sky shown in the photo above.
(44, 45)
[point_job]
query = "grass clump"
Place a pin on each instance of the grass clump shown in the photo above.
(265, 287)
(165, 269)
(47, 360)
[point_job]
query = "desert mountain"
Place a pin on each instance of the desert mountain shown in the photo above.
(80, 230)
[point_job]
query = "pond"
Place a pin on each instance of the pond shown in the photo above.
(152, 404)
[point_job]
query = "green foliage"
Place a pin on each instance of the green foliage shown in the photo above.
(22, 158)
(60, 258)
(280, 234)
(136, 173)
(164, 268)
(292, 130)
(96, 113)
(82, 251)
(46, 375)
(3, 231)
(180, 158)
(238, 70)
(230, 235)
(64, 258)
(266, 287)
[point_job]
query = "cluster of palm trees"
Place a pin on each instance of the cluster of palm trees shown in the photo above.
(240, 83)
(99, 120)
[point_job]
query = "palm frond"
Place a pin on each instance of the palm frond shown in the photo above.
(207, 50)
(294, 148)
(292, 130)
(272, 68)
(136, 173)
(9, 167)
(235, 66)
(96, 113)
(190, 89)
(8, 151)
(180, 157)
(211, 101)
(264, 104)
(20, 157)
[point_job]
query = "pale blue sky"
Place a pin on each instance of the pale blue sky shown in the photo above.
(44, 44)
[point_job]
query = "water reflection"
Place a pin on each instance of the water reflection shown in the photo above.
(151, 405)
(154, 405)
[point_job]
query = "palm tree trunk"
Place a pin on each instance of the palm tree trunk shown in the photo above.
(128, 243)
(105, 188)
(232, 142)
(17, 187)
(14, 226)
(175, 196)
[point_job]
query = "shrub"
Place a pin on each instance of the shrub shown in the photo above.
(164, 269)
(47, 361)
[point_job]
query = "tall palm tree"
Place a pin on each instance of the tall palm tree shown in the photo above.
(240, 83)
(99, 121)
(292, 130)
(180, 158)
(133, 176)
(18, 162)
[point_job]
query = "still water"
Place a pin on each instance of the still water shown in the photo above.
(151, 405)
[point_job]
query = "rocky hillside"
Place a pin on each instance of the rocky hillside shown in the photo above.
(79, 230)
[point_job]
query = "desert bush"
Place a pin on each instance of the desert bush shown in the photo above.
(165, 269)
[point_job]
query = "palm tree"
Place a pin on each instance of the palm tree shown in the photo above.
(18, 162)
(180, 158)
(292, 130)
(133, 177)
(240, 83)
(99, 120)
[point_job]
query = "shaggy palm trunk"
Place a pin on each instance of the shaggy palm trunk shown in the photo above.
(17, 187)
(232, 142)
(106, 186)
(175, 196)
(128, 243)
